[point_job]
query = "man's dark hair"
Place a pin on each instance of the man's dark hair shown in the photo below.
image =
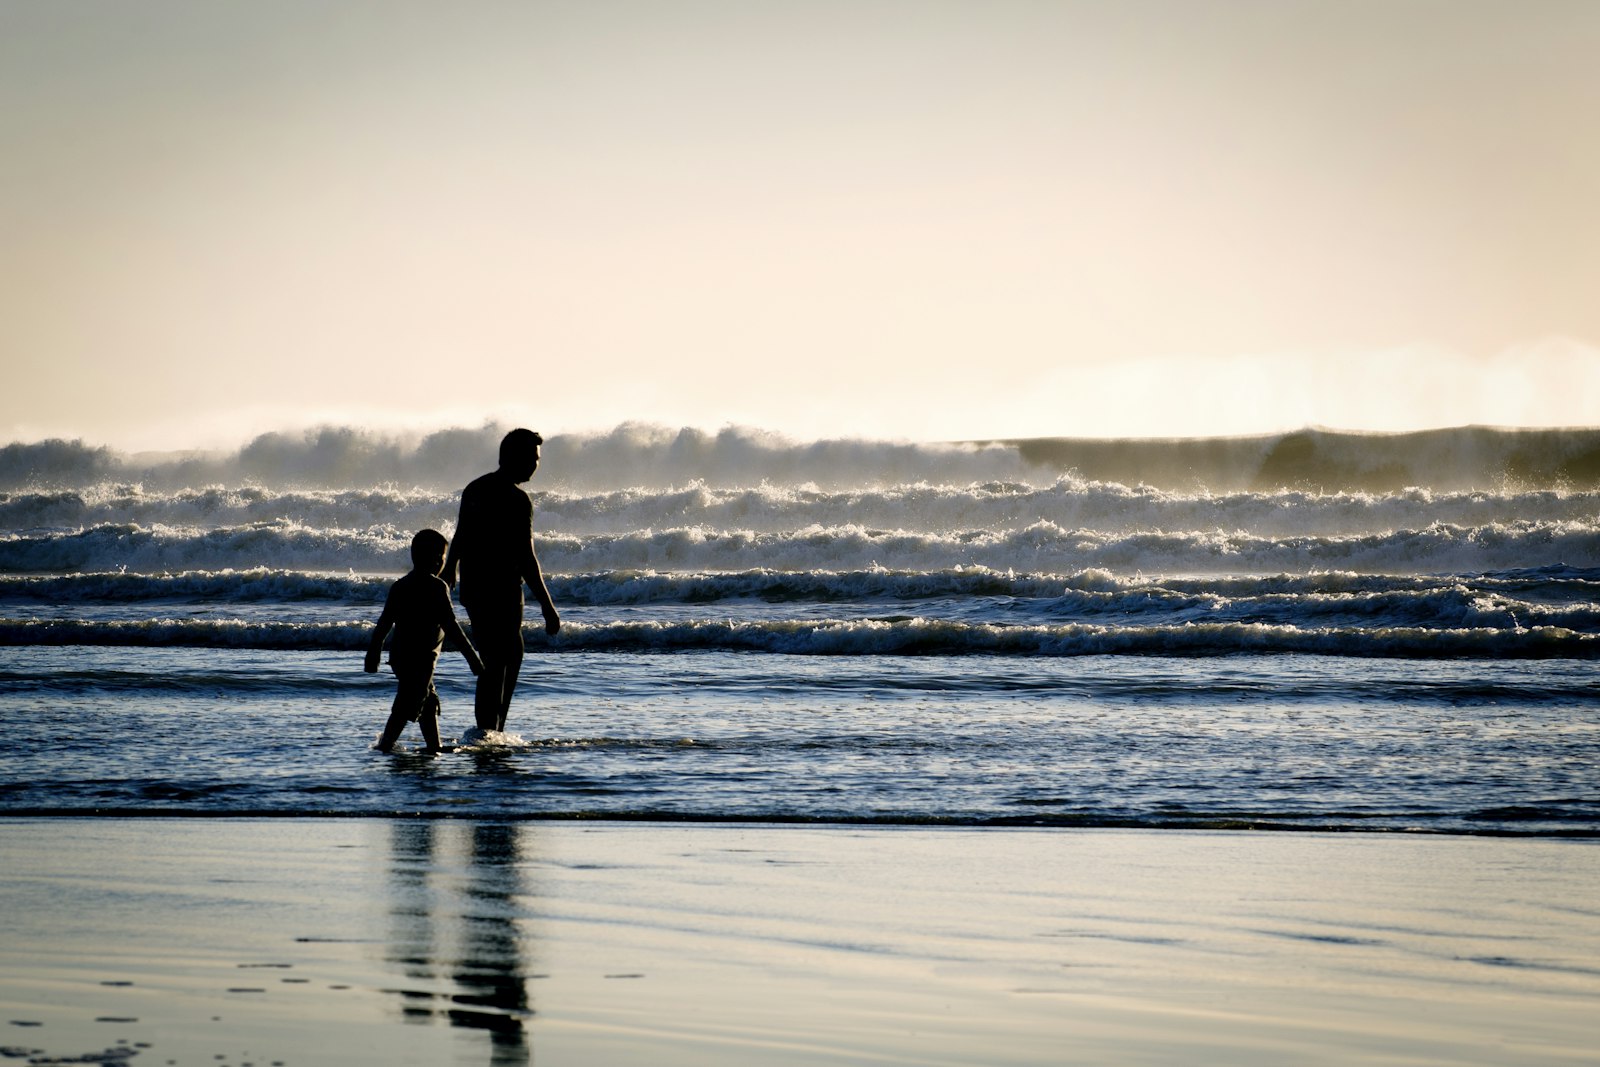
(518, 442)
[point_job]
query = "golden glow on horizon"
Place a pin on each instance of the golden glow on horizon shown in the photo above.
(927, 219)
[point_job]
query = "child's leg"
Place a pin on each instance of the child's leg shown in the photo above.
(392, 730)
(409, 695)
(428, 719)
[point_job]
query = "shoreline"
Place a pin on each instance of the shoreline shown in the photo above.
(469, 940)
(648, 818)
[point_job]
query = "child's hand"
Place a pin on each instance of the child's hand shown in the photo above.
(552, 622)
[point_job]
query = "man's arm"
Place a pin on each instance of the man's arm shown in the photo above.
(452, 557)
(528, 567)
(535, 579)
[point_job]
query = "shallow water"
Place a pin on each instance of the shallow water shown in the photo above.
(1291, 741)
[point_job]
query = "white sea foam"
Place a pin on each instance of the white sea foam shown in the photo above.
(1555, 597)
(475, 738)
(1039, 547)
(916, 507)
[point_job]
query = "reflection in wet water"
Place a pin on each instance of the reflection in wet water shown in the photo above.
(454, 891)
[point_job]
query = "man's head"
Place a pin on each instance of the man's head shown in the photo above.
(519, 454)
(427, 551)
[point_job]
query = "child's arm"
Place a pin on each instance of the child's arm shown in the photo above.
(455, 633)
(375, 647)
(446, 616)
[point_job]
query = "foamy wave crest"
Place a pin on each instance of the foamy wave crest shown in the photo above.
(1039, 548)
(639, 587)
(1047, 548)
(120, 503)
(243, 586)
(283, 543)
(1554, 597)
(860, 637)
(1560, 580)
(1068, 502)
(187, 633)
(1513, 600)
(942, 637)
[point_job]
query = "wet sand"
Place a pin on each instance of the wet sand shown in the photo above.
(300, 942)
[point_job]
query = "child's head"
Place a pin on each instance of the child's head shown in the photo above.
(427, 551)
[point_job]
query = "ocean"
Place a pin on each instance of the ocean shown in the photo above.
(1310, 631)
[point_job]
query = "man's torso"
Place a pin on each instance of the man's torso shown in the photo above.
(495, 534)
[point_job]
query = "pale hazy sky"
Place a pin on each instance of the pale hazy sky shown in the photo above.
(922, 219)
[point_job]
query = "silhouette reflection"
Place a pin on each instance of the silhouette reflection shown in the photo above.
(454, 890)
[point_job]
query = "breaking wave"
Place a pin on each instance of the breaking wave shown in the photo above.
(858, 637)
(1067, 502)
(1038, 547)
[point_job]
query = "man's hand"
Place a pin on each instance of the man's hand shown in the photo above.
(552, 622)
(371, 666)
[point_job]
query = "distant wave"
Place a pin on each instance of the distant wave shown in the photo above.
(1468, 457)
(162, 548)
(1556, 596)
(1067, 502)
(858, 637)
(629, 455)
(237, 586)
(637, 455)
(1041, 547)
(117, 502)
(818, 586)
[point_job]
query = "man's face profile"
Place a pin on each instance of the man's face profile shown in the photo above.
(523, 464)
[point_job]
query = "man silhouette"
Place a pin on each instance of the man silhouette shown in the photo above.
(493, 550)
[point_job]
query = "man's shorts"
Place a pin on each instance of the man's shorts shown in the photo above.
(496, 628)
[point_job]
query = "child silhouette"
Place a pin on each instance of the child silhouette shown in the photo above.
(418, 609)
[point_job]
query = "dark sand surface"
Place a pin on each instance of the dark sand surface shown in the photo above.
(296, 942)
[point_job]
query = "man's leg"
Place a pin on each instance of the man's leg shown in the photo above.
(497, 634)
(486, 698)
(508, 685)
(492, 700)
(428, 719)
